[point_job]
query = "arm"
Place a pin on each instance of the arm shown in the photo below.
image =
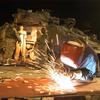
(17, 35)
(87, 69)
(81, 74)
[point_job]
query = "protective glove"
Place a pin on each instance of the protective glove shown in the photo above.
(87, 74)
(75, 74)
(80, 74)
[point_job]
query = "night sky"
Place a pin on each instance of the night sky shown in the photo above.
(86, 12)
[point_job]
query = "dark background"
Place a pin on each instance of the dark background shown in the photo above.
(86, 12)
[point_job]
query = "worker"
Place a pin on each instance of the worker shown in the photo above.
(21, 45)
(80, 58)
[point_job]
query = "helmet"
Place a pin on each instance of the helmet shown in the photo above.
(71, 53)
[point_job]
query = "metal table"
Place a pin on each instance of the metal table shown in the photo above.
(18, 81)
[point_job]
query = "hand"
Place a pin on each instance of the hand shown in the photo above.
(86, 74)
(81, 74)
(76, 74)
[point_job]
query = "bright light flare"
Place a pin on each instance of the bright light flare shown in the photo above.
(63, 83)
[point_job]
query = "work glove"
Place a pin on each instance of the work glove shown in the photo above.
(87, 74)
(80, 74)
(75, 74)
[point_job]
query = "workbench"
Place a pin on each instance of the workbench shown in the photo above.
(19, 81)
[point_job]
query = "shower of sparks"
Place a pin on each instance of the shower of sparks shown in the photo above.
(62, 83)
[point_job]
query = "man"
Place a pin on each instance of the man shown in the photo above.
(21, 44)
(80, 58)
(80, 62)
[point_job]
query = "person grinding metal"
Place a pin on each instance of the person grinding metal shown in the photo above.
(80, 58)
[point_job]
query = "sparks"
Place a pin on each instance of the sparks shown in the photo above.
(63, 83)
